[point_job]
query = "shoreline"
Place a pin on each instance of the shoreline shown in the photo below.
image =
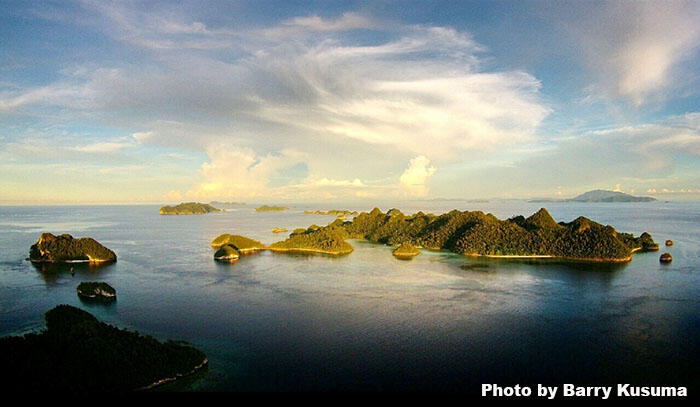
(177, 376)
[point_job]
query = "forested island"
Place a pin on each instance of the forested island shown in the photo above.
(78, 354)
(406, 251)
(188, 208)
(273, 208)
(471, 234)
(65, 249)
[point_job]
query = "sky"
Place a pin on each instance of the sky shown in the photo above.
(291, 101)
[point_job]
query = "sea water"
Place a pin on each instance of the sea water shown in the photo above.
(368, 321)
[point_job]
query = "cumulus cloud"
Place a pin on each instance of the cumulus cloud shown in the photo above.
(414, 178)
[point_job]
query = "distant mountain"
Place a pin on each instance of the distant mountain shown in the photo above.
(600, 195)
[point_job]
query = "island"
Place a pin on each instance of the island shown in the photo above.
(65, 249)
(227, 253)
(89, 290)
(471, 234)
(266, 208)
(188, 208)
(406, 251)
(79, 354)
(279, 230)
(326, 240)
(336, 212)
(666, 258)
(241, 243)
(600, 195)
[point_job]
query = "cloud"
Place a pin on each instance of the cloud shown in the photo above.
(414, 178)
(102, 147)
(637, 48)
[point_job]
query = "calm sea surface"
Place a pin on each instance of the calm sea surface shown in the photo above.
(367, 321)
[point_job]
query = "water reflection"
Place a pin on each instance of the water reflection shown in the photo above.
(51, 273)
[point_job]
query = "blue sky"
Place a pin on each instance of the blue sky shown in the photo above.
(129, 102)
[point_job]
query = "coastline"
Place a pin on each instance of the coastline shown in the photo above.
(177, 376)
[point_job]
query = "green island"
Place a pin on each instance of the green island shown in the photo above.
(266, 208)
(471, 234)
(336, 212)
(188, 208)
(227, 253)
(279, 230)
(79, 354)
(327, 240)
(240, 243)
(406, 251)
(65, 249)
(89, 290)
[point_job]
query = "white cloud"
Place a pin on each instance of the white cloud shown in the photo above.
(637, 48)
(414, 178)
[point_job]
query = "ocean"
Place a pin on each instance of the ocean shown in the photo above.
(368, 321)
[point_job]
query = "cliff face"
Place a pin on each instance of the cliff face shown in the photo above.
(64, 248)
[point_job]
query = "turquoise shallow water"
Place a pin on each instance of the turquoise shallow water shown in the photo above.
(367, 321)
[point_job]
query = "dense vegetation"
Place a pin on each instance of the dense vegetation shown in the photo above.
(79, 354)
(266, 208)
(64, 248)
(188, 208)
(337, 212)
(329, 239)
(227, 253)
(405, 250)
(479, 234)
(96, 291)
(241, 243)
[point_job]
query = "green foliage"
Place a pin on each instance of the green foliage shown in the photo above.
(476, 233)
(79, 354)
(188, 208)
(241, 243)
(406, 250)
(329, 239)
(50, 248)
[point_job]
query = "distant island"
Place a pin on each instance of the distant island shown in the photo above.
(65, 249)
(279, 230)
(79, 354)
(337, 212)
(600, 195)
(597, 195)
(266, 208)
(471, 234)
(188, 208)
